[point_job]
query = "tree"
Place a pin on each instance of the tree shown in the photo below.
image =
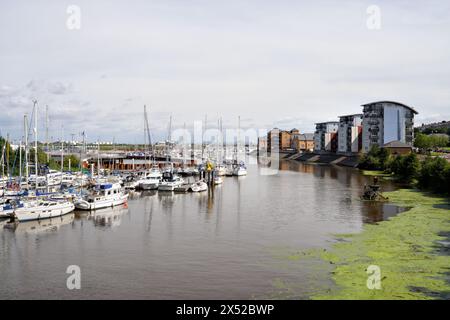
(406, 168)
(422, 141)
(434, 175)
(376, 159)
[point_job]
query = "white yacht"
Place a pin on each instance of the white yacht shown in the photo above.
(150, 183)
(199, 186)
(104, 195)
(43, 209)
(171, 183)
(240, 170)
(152, 180)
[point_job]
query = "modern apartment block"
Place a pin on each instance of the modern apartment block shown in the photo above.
(325, 136)
(350, 134)
(387, 121)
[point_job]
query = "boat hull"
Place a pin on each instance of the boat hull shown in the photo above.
(28, 214)
(149, 186)
(100, 204)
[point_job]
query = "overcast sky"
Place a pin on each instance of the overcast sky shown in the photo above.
(274, 63)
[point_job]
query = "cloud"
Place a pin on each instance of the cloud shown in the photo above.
(59, 88)
(287, 63)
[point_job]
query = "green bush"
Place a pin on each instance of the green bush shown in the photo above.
(435, 175)
(376, 159)
(406, 168)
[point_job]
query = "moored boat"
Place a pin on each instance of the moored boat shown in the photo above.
(43, 209)
(170, 183)
(104, 195)
(199, 186)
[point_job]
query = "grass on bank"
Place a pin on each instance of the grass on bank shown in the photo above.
(378, 173)
(404, 247)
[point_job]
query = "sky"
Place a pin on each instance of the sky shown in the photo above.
(279, 64)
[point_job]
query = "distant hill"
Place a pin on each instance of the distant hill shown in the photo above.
(436, 127)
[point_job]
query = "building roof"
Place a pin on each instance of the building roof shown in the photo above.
(397, 144)
(326, 122)
(393, 102)
(304, 136)
(352, 115)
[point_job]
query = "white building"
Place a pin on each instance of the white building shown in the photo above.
(350, 133)
(387, 121)
(325, 136)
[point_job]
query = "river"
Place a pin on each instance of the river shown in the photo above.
(222, 244)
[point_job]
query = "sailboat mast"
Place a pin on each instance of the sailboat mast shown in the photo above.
(203, 138)
(62, 149)
(7, 156)
(237, 140)
(46, 133)
(98, 158)
(36, 139)
(184, 145)
(25, 128)
(169, 137)
(20, 163)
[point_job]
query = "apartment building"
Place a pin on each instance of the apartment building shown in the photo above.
(350, 134)
(387, 121)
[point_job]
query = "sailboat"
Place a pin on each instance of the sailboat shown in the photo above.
(37, 209)
(152, 178)
(220, 169)
(170, 181)
(239, 168)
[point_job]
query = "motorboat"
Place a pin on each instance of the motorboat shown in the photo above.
(42, 209)
(170, 182)
(103, 195)
(151, 180)
(199, 186)
(149, 183)
(240, 169)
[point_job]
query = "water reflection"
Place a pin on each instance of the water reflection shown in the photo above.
(207, 245)
(352, 183)
(104, 218)
(40, 226)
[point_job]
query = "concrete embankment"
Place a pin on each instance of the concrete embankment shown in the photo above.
(348, 161)
(341, 160)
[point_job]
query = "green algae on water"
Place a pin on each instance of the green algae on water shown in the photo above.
(404, 248)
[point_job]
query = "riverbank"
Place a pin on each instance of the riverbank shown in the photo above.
(410, 249)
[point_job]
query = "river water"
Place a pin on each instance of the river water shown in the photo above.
(227, 243)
